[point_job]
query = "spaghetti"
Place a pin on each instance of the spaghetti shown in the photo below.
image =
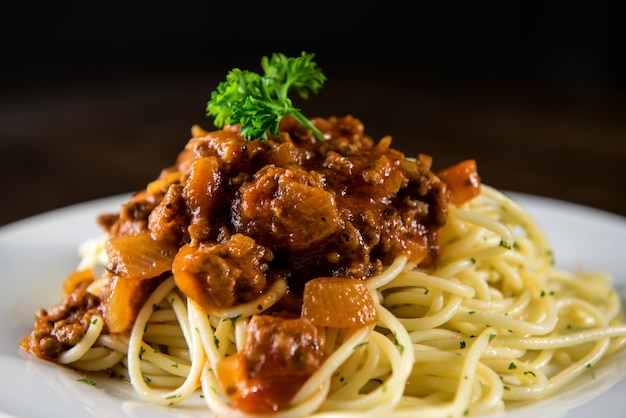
(294, 277)
(494, 323)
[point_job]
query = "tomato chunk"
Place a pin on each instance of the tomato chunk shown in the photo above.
(463, 181)
(338, 302)
(278, 357)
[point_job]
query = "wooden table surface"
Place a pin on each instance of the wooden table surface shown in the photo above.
(71, 141)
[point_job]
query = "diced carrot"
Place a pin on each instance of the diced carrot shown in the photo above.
(463, 181)
(124, 298)
(338, 302)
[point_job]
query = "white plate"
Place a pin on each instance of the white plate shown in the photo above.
(37, 253)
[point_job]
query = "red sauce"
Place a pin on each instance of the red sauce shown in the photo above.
(343, 207)
(231, 216)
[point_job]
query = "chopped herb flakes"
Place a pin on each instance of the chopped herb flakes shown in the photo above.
(232, 319)
(397, 344)
(86, 380)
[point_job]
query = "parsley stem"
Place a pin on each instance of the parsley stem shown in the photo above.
(307, 124)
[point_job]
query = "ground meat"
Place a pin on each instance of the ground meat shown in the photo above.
(278, 356)
(344, 206)
(168, 222)
(222, 275)
(62, 326)
(287, 209)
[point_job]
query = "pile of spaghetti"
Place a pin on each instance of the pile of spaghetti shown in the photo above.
(297, 276)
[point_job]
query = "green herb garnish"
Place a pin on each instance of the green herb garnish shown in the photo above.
(259, 102)
(86, 380)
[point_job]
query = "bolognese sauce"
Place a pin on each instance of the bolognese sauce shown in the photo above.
(231, 217)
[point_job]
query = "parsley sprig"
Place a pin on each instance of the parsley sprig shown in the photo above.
(259, 102)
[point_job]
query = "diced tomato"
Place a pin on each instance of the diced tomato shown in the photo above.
(256, 394)
(338, 302)
(463, 181)
(278, 357)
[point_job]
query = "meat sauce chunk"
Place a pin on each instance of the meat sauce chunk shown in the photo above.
(342, 207)
(278, 357)
(168, 222)
(238, 214)
(202, 192)
(287, 208)
(221, 275)
(62, 326)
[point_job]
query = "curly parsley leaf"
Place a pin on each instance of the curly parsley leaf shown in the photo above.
(259, 102)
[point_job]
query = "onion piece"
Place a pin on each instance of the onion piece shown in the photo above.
(138, 256)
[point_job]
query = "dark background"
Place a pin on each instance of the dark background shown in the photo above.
(97, 97)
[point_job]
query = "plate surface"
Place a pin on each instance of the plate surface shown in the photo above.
(37, 253)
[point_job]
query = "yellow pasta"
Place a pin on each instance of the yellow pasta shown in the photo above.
(493, 324)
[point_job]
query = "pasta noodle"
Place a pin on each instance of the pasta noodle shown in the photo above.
(494, 324)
